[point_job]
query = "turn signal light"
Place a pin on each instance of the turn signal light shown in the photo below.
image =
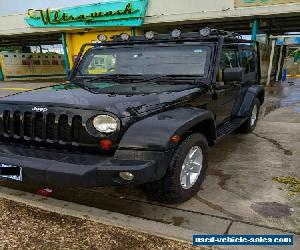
(106, 144)
(175, 139)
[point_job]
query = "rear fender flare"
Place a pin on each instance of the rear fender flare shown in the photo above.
(248, 100)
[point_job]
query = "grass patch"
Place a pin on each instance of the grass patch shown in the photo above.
(292, 184)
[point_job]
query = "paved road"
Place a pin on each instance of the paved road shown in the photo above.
(239, 187)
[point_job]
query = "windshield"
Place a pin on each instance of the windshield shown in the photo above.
(175, 60)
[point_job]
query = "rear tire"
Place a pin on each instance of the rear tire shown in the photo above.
(184, 175)
(249, 125)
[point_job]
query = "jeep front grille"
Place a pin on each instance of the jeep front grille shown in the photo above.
(38, 126)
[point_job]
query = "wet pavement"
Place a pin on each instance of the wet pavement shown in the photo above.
(240, 185)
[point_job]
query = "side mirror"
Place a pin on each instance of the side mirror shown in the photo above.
(234, 74)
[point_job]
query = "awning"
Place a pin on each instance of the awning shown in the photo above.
(30, 40)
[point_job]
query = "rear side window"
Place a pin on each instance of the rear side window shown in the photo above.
(248, 60)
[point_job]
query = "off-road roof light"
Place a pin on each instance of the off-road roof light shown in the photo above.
(124, 37)
(149, 35)
(102, 38)
(205, 31)
(176, 33)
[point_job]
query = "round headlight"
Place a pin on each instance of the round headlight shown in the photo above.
(105, 124)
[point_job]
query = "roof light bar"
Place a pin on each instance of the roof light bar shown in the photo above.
(205, 33)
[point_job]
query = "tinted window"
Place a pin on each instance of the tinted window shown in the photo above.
(247, 60)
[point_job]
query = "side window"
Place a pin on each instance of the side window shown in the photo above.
(247, 60)
(228, 59)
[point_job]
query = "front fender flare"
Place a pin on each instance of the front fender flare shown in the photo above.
(154, 132)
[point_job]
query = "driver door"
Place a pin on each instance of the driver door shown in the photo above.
(225, 93)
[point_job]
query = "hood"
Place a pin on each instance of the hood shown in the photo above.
(71, 96)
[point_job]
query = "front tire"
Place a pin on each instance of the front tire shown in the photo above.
(249, 125)
(185, 173)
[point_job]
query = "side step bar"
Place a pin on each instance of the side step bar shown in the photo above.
(229, 127)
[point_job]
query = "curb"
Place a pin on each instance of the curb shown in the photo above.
(98, 215)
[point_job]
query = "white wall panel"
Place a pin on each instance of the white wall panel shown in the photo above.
(171, 7)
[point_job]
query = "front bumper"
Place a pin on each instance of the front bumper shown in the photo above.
(65, 168)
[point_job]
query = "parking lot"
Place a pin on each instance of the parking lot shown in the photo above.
(242, 192)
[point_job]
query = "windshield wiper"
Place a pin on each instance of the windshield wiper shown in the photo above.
(110, 76)
(163, 78)
(146, 79)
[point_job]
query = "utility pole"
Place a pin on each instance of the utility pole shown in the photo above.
(271, 61)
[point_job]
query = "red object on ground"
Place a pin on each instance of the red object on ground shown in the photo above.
(45, 192)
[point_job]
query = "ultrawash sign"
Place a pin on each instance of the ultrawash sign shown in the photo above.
(115, 13)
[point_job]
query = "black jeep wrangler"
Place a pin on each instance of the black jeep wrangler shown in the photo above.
(137, 110)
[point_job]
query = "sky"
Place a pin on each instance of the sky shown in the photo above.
(21, 6)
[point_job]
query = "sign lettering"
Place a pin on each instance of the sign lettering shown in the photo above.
(123, 13)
